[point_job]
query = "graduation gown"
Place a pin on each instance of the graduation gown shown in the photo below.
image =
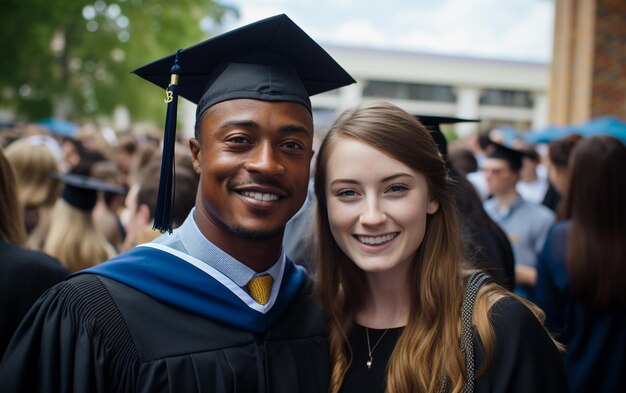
(149, 322)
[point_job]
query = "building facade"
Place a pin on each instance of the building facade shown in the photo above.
(498, 92)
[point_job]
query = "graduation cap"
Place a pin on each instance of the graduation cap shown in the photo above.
(433, 124)
(81, 192)
(269, 60)
(502, 152)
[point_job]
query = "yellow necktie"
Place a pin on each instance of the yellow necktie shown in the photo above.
(260, 288)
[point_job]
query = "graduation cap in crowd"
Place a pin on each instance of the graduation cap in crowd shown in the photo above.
(81, 192)
(433, 124)
(269, 60)
(502, 152)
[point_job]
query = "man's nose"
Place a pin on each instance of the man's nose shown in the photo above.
(264, 160)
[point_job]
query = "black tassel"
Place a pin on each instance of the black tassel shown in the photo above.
(165, 198)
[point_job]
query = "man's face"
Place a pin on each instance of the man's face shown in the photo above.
(253, 160)
(500, 177)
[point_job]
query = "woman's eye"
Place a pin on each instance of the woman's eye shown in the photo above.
(397, 188)
(346, 193)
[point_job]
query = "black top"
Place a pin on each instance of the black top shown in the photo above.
(24, 276)
(526, 360)
(359, 377)
(94, 334)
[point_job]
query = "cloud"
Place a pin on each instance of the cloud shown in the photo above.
(512, 29)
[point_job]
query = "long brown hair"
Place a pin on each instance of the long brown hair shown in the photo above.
(596, 251)
(429, 344)
(11, 212)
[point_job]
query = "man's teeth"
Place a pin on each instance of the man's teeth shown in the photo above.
(375, 240)
(259, 196)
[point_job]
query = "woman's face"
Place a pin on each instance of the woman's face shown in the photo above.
(377, 206)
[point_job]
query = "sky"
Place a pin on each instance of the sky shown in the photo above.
(499, 29)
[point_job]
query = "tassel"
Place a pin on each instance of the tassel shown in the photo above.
(165, 198)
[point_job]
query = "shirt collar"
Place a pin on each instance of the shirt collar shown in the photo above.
(501, 212)
(201, 248)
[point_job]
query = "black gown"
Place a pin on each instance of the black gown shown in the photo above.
(24, 276)
(526, 359)
(95, 334)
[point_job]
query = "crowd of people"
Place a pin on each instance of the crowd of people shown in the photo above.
(301, 266)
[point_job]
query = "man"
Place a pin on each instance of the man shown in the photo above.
(533, 182)
(140, 203)
(525, 223)
(215, 307)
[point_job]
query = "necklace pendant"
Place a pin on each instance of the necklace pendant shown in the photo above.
(369, 363)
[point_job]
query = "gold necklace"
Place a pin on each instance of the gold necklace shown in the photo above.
(371, 350)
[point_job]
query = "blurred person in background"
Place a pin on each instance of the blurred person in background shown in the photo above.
(126, 152)
(463, 160)
(73, 237)
(37, 191)
(559, 152)
(481, 146)
(533, 181)
(525, 223)
(140, 203)
(485, 245)
(73, 150)
(24, 274)
(109, 205)
(582, 268)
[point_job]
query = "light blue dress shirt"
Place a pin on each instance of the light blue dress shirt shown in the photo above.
(526, 224)
(188, 239)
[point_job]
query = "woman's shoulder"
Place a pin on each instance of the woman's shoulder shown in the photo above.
(507, 309)
(507, 313)
(526, 358)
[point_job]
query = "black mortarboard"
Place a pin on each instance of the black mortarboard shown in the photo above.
(433, 124)
(269, 60)
(514, 157)
(82, 191)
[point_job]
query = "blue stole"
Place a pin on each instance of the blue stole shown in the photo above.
(171, 280)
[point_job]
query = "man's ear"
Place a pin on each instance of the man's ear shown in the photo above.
(196, 153)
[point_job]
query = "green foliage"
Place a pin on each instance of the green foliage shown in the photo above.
(75, 57)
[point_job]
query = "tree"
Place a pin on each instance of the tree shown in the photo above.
(73, 58)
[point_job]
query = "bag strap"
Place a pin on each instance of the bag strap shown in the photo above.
(472, 286)
(474, 282)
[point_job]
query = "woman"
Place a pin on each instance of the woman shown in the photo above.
(24, 274)
(36, 190)
(73, 238)
(391, 277)
(582, 267)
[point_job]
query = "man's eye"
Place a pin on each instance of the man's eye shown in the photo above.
(238, 139)
(293, 145)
